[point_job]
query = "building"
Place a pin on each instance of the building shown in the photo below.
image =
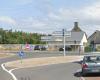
(75, 40)
(94, 40)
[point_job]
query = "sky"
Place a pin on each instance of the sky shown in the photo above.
(46, 16)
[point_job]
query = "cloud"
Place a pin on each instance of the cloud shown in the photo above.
(64, 18)
(56, 19)
(93, 11)
(88, 12)
(31, 24)
(88, 16)
(7, 20)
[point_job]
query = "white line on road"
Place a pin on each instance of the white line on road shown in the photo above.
(9, 71)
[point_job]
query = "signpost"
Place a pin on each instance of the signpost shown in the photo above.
(65, 34)
(21, 55)
(64, 41)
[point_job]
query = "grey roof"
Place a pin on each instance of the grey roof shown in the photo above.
(95, 37)
(76, 36)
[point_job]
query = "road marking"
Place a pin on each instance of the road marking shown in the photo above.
(9, 71)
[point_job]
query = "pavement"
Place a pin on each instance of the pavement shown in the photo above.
(34, 62)
(64, 71)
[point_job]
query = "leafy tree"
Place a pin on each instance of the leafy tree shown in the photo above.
(19, 37)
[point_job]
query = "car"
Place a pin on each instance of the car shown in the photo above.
(37, 47)
(43, 48)
(66, 48)
(60, 49)
(91, 64)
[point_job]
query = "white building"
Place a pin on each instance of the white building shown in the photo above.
(75, 40)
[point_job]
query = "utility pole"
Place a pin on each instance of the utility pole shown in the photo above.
(64, 42)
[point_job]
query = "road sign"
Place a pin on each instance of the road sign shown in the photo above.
(27, 46)
(21, 53)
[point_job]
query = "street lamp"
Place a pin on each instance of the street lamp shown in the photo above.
(0, 39)
(64, 41)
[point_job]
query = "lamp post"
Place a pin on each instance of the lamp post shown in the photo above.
(0, 39)
(64, 42)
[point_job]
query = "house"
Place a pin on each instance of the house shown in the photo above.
(75, 40)
(94, 40)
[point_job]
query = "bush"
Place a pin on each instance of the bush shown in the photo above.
(88, 49)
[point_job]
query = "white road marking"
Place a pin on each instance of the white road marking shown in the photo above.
(9, 71)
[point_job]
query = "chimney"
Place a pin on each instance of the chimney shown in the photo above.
(76, 27)
(75, 24)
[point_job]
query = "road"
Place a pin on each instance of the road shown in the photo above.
(64, 71)
(5, 76)
(51, 72)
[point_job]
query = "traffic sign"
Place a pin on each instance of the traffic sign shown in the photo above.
(21, 53)
(27, 46)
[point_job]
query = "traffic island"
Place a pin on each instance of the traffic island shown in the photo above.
(34, 62)
(5, 55)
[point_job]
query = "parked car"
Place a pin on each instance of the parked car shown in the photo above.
(43, 48)
(66, 48)
(60, 49)
(37, 47)
(91, 64)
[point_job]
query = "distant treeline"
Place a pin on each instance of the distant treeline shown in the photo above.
(19, 37)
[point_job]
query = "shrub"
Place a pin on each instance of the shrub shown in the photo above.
(88, 49)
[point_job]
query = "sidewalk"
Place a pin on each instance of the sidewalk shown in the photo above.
(34, 62)
(5, 55)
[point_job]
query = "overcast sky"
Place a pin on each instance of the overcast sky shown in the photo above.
(46, 16)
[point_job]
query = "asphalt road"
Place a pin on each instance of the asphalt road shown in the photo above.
(50, 72)
(5, 76)
(64, 71)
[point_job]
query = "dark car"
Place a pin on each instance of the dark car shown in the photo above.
(60, 49)
(43, 48)
(37, 47)
(66, 48)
